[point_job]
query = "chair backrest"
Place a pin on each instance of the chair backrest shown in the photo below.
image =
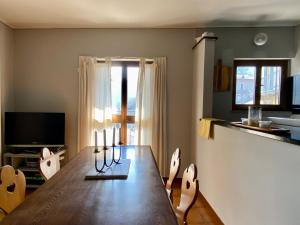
(12, 188)
(189, 193)
(174, 169)
(49, 164)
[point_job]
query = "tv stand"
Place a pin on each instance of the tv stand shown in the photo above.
(27, 160)
(29, 151)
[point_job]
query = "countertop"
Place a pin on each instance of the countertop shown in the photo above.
(292, 137)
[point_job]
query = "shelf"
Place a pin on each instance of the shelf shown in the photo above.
(33, 185)
(28, 169)
(22, 155)
(38, 178)
(28, 155)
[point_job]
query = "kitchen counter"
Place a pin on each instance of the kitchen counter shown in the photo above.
(249, 177)
(292, 137)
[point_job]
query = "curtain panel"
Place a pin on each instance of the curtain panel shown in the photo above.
(159, 140)
(151, 109)
(94, 106)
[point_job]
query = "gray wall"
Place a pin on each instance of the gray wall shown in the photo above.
(6, 70)
(296, 60)
(238, 43)
(46, 62)
(46, 77)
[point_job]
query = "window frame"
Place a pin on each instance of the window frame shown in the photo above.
(283, 63)
(124, 119)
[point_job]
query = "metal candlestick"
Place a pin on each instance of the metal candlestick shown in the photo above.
(96, 150)
(105, 164)
(114, 160)
(96, 165)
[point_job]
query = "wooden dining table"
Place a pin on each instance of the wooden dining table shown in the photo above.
(67, 198)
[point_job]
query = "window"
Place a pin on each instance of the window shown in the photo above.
(260, 83)
(124, 78)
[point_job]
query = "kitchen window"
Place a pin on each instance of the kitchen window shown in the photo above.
(260, 83)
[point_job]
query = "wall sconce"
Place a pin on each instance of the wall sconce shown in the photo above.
(260, 39)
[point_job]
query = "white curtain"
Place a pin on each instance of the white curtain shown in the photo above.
(94, 111)
(144, 104)
(151, 120)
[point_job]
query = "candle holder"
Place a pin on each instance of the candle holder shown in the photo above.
(96, 164)
(114, 160)
(96, 149)
(105, 164)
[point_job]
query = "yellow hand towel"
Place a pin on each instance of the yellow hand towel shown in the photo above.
(205, 127)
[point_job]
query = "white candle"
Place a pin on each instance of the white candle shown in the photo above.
(104, 137)
(120, 135)
(96, 144)
(113, 141)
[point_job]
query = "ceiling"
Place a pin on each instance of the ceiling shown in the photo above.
(148, 14)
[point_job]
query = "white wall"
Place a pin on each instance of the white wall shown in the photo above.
(202, 97)
(296, 61)
(249, 179)
(6, 70)
(203, 66)
(46, 77)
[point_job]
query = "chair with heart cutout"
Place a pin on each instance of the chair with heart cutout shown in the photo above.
(12, 189)
(49, 164)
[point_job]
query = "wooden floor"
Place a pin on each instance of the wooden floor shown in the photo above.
(201, 213)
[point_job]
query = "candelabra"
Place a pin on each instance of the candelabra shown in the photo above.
(105, 164)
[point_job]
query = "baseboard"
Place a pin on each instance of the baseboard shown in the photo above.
(208, 206)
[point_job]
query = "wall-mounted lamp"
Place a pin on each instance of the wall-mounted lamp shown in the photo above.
(260, 39)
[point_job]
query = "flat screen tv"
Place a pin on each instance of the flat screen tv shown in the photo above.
(34, 129)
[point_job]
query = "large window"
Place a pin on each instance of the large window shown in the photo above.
(259, 83)
(124, 78)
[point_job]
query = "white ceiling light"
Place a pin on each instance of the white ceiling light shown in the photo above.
(260, 39)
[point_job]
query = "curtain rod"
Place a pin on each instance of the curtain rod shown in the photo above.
(132, 59)
(117, 58)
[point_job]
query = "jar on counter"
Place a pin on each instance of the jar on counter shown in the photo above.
(254, 115)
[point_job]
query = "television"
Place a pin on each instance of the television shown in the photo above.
(34, 129)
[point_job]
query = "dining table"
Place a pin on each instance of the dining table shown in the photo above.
(69, 199)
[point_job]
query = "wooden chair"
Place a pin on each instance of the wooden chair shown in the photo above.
(49, 164)
(189, 193)
(174, 169)
(12, 189)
